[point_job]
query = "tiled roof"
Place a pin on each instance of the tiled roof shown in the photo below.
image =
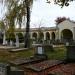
(43, 65)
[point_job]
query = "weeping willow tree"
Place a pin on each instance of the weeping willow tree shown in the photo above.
(15, 12)
(17, 9)
(20, 8)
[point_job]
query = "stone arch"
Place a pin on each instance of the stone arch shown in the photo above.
(20, 36)
(47, 36)
(53, 35)
(40, 37)
(66, 35)
(34, 35)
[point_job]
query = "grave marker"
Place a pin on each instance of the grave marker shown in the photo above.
(4, 69)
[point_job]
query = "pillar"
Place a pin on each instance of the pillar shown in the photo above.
(31, 35)
(17, 41)
(4, 39)
(74, 33)
(44, 35)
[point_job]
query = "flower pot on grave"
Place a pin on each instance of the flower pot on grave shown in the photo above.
(70, 57)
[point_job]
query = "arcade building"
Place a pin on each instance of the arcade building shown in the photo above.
(64, 31)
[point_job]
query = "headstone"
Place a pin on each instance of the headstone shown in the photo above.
(70, 53)
(17, 41)
(67, 43)
(4, 69)
(39, 51)
(11, 43)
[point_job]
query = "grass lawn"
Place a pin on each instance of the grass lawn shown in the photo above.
(58, 53)
(6, 55)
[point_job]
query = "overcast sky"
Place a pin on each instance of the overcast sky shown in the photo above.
(45, 14)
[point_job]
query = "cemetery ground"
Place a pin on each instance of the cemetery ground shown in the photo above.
(53, 66)
(58, 53)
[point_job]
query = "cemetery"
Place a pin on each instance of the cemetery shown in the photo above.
(42, 50)
(51, 52)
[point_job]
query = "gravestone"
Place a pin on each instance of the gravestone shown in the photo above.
(67, 43)
(4, 69)
(39, 51)
(17, 41)
(11, 43)
(70, 53)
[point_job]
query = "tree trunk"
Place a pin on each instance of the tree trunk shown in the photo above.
(27, 37)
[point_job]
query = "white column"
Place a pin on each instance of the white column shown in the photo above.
(57, 35)
(30, 35)
(74, 33)
(37, 35)
(50, 35)
(17, 41)
(44, 35)
(60, 35)
(4, 39)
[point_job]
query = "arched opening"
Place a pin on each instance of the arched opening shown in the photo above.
(53, 36)
(47, 36)
(21, 37)
(34, 35)
(41, 37)
(66, 35)
(1, 38)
